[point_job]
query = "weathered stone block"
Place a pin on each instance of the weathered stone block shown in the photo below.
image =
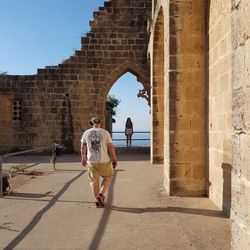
(240, 239)
(245, 156)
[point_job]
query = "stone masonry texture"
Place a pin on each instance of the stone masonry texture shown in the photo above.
(240, 212)
(58, 102)
(193, 56)
(219, 102)
(179, 95)
(220, 31)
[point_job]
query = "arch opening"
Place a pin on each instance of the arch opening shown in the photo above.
(126, 88)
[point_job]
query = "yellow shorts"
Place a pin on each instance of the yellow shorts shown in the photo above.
(96, 170)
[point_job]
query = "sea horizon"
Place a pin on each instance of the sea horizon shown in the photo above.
(139, 138)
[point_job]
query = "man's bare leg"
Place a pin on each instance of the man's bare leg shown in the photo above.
(105, 186)
(95, 191)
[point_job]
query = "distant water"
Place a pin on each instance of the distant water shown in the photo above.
(138, 139)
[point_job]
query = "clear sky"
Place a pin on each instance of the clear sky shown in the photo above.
(39, 33)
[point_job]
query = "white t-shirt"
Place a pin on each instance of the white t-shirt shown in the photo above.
(97, 140)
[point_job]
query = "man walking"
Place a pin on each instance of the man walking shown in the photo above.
(96, 142)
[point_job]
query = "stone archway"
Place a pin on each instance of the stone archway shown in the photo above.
(127, 93)
(127, 67)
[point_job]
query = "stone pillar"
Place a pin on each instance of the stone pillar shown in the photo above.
(187, 98)
(240, 213)
(220, 102)
(157, 93)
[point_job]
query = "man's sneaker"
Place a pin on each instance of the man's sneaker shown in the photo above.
(98, 205)
(101, 199)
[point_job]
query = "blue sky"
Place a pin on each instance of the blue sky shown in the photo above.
(39, 33)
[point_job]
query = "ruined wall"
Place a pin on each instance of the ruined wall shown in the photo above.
(42, 99)
(240, 213)
(219, 102)
(183, 73)
(58, 102)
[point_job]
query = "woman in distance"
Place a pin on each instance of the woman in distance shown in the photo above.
(129, 131)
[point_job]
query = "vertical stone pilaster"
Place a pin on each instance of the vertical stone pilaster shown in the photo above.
(240, 212)
(187, 98)
(220, 102)
(157, 93)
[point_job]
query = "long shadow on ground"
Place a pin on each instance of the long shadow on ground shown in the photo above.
(40, 214)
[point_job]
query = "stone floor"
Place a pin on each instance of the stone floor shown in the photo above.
(54, 210)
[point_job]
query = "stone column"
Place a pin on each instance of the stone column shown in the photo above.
(187, 98)
(240, 213)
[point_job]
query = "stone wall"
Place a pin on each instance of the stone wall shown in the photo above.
(199, 53)
(58, 102)
(6, 117)
(240, 213)
(223, 120)
(219, 102)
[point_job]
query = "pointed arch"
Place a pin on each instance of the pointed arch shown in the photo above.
(127, 66)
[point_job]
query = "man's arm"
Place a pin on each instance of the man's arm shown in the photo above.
(83, 153)
(113, 154)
